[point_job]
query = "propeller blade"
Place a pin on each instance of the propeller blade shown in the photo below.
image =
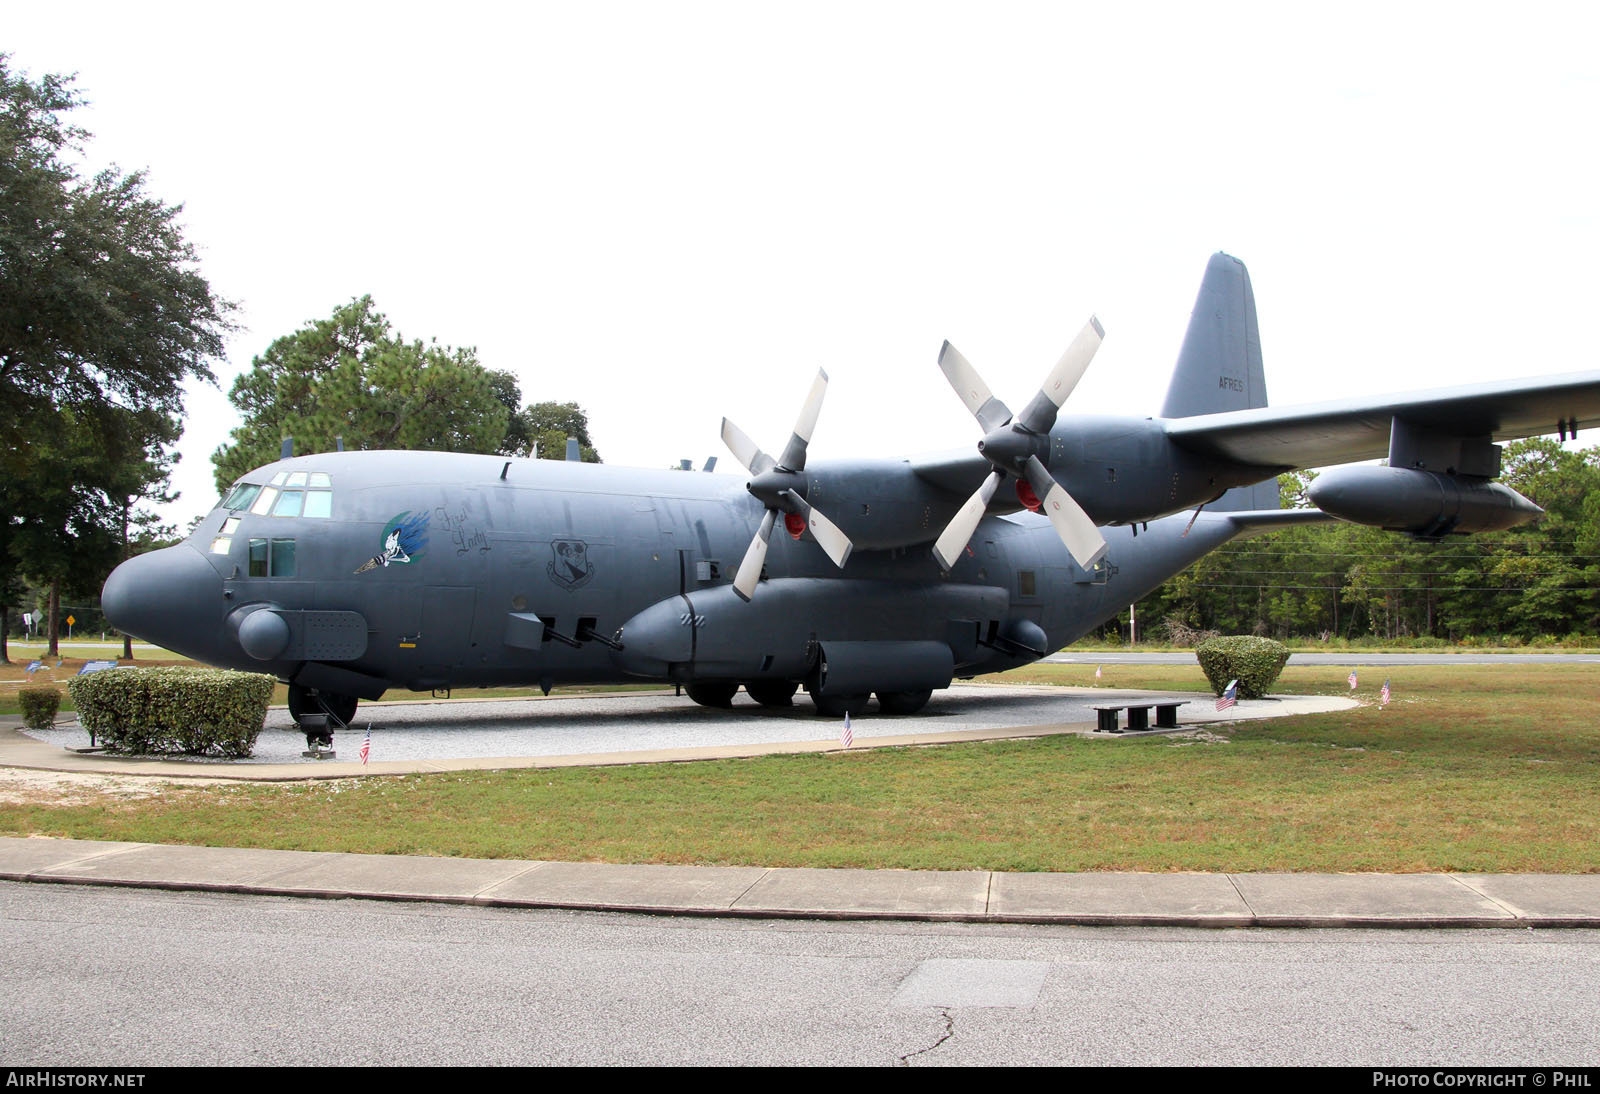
(1040, 413)
(1083, 540)
(794, 453)
(959, 531)
(746, 451)
(755, 557)
(990, 412)
(835, 543)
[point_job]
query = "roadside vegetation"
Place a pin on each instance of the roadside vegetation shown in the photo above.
(1470, 768)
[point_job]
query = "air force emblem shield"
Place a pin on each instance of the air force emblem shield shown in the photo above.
(571, 568)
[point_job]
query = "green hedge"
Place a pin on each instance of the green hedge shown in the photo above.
(1254, 662)
(39, 706)
(203, 712)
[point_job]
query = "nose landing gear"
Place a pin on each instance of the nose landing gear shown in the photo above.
(318, 713)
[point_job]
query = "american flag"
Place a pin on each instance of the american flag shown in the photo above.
(1351, 679)
(366, 745)
(1383, 696)
(846, 739)
(1229, 696)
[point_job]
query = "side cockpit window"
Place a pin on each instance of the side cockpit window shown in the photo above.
(272, 558)
(240, 496)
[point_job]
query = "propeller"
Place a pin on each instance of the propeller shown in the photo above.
(1012, 445)
(779, 484)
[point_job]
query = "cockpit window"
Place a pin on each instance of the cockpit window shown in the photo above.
(241, 496)
(277, 501)
(264, 501)
(319, 503)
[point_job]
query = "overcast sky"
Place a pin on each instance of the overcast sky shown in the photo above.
(671, 212)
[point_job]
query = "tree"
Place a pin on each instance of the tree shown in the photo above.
(66, 529)
(543, 428)
(350, 376)
(101, 303)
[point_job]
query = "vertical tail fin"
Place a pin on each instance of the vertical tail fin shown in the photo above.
(1219, 367)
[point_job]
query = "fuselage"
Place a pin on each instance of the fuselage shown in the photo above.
(361, 571)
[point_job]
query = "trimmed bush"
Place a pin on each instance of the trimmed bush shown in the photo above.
(1254, 662)
(39, 706)
(203, 712)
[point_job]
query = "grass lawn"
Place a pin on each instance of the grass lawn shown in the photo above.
(1472, 768)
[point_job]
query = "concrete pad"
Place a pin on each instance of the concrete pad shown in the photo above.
(161, 866)
(1287, 900)
(930, 894)
(403, 877)
(972, 982)
(1182, 899)
(604, 885)
(21, 857)
(1550, 899)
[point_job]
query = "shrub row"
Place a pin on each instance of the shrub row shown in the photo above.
(1254, 662)
(203, 712)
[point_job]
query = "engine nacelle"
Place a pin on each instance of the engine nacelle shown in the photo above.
(866, 627)
(1425, 503)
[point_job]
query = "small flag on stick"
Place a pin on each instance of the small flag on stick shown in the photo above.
(1097, 673)
(1383, 696)
(846, 738)
(1351, 679)
(1229, 696)
(366, 745)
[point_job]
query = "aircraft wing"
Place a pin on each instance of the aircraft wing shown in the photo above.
(1348, 430)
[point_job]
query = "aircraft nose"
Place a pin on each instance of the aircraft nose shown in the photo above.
(170, 597)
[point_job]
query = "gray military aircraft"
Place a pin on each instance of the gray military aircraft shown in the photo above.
(346, 574)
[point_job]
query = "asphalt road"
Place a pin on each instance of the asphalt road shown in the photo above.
(114, 977)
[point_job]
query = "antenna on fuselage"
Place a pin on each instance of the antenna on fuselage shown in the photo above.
(287, 450)
(573, 455)
(338, 444)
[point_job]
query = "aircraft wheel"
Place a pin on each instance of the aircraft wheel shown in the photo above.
(712, 693)
(837, 706)
(903, 702)
(772, 693)
(342, 707)
(304, 700)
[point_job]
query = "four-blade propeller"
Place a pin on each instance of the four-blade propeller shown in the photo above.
(780, 486)
(1013, 445)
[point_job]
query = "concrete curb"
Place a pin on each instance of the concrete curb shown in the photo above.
(1126, 900)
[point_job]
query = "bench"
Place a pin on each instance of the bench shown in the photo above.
(1138, 715)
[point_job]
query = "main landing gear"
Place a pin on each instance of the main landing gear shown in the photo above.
(780, 693)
